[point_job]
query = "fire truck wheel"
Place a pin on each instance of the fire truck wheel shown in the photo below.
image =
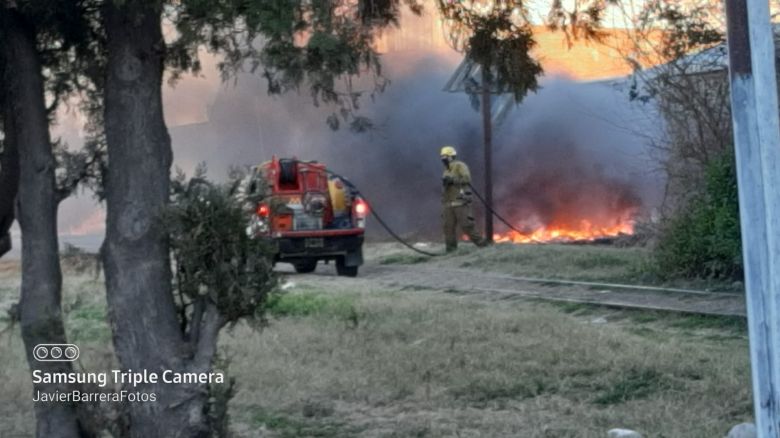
(344, 270)
(305, 266)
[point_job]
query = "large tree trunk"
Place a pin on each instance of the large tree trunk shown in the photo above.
(146, 330)
(27, 128)
(9, 185)
(9, 171)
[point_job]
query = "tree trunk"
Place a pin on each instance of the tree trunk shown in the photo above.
(9, 171)
(9, 185)
(27, 129)
(146, 330)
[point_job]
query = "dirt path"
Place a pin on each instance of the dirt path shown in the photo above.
(505, 287)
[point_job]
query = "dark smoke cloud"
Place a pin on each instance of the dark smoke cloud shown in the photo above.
(575, 152)
(563, 155)
(569, 152)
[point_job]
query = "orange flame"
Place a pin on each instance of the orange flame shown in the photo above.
(584, 232)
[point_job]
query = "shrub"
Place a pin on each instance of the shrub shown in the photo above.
(703, 239)
(215, 260)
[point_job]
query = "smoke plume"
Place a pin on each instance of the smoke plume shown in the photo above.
(565, 155)
(570, 153)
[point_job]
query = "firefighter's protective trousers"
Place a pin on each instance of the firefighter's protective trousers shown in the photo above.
(461, 217)
(456, 203)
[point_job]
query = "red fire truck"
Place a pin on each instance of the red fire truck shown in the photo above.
(307, 213)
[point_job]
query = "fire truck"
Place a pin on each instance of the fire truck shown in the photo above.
(307, 214)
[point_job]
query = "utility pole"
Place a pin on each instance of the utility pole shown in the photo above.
(756, 126)
(487, 129)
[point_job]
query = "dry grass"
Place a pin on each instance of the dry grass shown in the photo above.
(580, 262)
(379, 363)
(422, 364)
(600, 263)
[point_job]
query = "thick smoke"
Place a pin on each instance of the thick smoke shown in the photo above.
(565, 154)
(573, 153)
(569, 152)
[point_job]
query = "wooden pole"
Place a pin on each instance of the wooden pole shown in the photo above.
(487, 129)
(757, 143)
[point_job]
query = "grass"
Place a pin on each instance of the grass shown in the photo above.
(735, 325)
(362, 361)
(636, 384)
(597, 263)
(403, 259)
(310, 302)
(426, 364)
(555, 261)
(287, 426)
(490, 390)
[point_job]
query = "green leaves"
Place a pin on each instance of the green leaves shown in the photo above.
(214, 257)
(684, 28)
(704, 239)
(499, 39)
(581, 19)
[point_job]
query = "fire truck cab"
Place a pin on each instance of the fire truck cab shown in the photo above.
(306, 213)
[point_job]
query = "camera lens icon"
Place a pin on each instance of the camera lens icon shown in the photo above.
(41, 352)
(56, 352)
(72, 352)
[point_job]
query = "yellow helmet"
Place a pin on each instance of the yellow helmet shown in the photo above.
(448, 151)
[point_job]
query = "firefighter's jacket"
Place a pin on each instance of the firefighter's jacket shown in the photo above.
(456, 180)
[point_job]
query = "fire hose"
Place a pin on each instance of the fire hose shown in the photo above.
(379, 219)
(498, 216)
(401, 240)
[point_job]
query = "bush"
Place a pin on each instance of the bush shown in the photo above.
(703, 240)
(215, 260)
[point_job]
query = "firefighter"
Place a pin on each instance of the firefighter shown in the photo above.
(456, 200)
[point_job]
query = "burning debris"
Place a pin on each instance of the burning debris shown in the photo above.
(585, 232)
(547, 206)
(568, 174)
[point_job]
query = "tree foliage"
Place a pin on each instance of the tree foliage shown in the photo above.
(704, 239)
(499, 39)
(581, 20)
(682, 44)
(70, 49)
(214, 258)
(68, 37)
